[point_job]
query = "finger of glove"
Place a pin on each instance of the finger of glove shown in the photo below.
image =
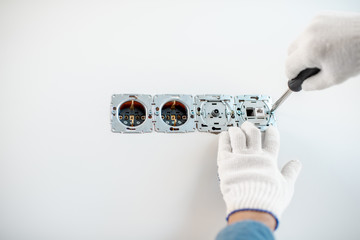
(237, 139)
(319, 81)
(295, 44)
(292, 48)
(297, 61)
(224, 142)
(253, 136)
(291, 170)
(271, 140)
(303, 37)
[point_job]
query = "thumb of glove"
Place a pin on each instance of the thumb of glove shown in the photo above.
(291, 170)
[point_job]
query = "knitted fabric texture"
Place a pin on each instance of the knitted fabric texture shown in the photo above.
(248, 171)
(332, 43)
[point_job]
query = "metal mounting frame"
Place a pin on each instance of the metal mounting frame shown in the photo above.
(117, 126)
(205, 106)
(187, 100)
(242, 102)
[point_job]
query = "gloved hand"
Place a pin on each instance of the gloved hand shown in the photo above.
(249, 176)
(332, 43)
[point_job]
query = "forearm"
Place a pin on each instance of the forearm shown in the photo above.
(246, 230)
(263, 217)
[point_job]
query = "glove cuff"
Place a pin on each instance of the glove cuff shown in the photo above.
(263, 196)
(257, 210)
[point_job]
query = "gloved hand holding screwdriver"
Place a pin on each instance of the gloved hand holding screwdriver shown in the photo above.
(255, 191)
(331, 43)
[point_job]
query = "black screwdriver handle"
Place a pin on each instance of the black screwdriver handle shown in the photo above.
(295, 84)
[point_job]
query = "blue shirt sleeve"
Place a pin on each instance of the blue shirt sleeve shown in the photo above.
(246, 230)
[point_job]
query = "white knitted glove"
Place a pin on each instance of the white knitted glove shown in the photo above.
(332, 43)
(249, 176)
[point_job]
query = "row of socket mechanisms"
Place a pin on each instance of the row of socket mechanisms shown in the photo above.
(140, 113)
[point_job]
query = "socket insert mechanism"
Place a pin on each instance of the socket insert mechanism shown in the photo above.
(131, 113)
(255, 109)
(174, 113)
(214, 112)
(177, 113)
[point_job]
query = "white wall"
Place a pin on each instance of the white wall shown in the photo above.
(64, 175)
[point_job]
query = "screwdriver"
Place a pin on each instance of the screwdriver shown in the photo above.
(295, 85)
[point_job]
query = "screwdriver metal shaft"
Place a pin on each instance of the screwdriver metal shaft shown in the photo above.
(295, 85)
(281, 100)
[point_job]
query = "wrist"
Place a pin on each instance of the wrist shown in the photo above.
(260, 216)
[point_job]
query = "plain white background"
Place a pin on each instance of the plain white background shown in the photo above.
(65, 175)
